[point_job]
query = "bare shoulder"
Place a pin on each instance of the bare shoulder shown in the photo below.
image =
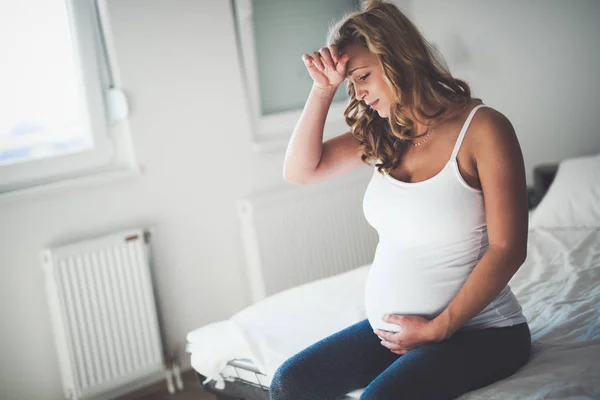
(489, 122)
(491, 131)
(486, 121)
(501, 171)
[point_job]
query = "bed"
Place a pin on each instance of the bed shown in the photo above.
(301, 296)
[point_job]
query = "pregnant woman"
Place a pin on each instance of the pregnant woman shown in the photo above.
(448, 200)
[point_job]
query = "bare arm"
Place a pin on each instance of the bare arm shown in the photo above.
(308, 159)
(305, 146)
(502, 173)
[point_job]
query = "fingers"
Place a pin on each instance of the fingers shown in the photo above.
(341, 65)
(391, 346)
(386, 335)
(327, 58)
(316, 58)
(335, 55)
(394, 348)
(308, 61)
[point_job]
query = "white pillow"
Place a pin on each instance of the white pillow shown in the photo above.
(573, 199)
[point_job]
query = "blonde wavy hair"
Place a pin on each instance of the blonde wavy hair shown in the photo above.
(410, 68)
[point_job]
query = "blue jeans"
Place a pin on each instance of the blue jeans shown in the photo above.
(353, 358)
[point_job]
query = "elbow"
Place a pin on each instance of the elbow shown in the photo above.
(523, 255)
(511, 255)
(518, 256)
(294, 179)
(519, 253)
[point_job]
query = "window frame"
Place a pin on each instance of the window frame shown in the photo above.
(271, 132)
(105, 106)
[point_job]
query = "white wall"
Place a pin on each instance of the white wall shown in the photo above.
(533, 61)
(179, 67)
(537, 61)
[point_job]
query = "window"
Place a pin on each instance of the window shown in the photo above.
(61, 114)
(272, 35)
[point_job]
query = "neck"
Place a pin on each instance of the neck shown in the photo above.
(421, 125)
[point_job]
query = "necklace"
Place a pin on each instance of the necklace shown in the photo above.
(429, 132)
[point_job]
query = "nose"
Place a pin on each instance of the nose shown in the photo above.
(359, 93)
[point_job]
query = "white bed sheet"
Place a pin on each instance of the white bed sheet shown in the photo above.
(557, 286)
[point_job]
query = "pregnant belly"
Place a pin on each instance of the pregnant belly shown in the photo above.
(424, 292)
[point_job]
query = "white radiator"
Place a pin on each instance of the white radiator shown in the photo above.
(103, 314)
(297, 234)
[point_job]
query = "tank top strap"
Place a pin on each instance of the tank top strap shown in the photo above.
(463, 131)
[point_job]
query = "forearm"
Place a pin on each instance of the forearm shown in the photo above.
(306, 144)
(486, 281)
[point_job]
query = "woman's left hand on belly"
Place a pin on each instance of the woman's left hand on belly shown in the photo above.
(414, 332)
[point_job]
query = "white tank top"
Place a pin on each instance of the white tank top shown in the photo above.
(431, 236)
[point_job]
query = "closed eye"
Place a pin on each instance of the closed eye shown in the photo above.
(365, 76)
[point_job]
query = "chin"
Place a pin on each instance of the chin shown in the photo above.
(382, 114)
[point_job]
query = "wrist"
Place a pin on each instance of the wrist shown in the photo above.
(327, 91)
(442, 327)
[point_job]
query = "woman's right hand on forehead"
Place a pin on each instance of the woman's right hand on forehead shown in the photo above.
(326, 67)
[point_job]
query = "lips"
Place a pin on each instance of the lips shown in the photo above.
(373, 104)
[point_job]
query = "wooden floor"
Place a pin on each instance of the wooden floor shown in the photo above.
(192, 391)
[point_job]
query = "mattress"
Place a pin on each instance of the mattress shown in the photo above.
(557, 287)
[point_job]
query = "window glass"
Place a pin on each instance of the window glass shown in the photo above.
(283, 31)
(42, 109)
